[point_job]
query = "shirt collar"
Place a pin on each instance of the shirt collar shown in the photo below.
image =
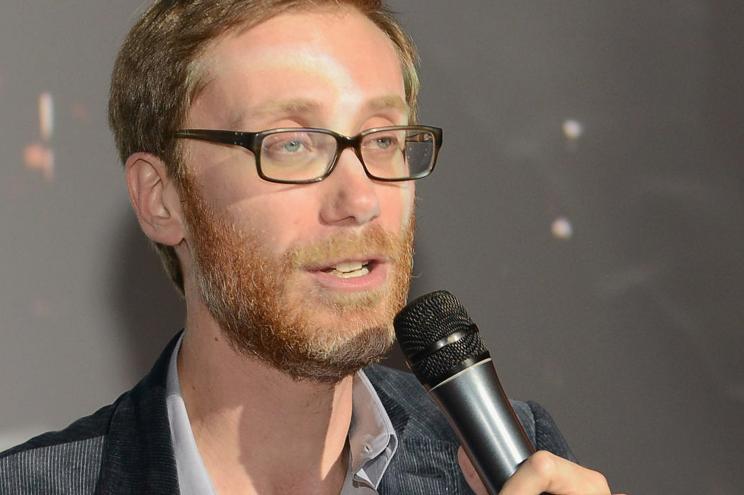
(192, 474)
(372, 438)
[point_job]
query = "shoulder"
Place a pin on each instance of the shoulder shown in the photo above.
(65, 461)
(122, 448)
(545, 434)
(402, 395)
(81, 430)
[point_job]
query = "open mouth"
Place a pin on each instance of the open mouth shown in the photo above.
(351, 274)
(350, 269)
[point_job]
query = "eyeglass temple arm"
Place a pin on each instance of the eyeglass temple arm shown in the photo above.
(244, 139)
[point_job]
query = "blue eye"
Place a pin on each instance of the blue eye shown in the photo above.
(289, 145)
(384, 142)
(292, 146)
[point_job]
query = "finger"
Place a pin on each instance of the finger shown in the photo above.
(545, 472)
(471, 476)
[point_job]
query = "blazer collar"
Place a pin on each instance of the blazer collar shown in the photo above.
(138, 453)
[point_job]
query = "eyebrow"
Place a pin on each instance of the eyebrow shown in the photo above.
(388, 102)
(304, 106)
(284, 107)
(296, 106)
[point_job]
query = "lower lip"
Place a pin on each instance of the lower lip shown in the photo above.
(372, 280)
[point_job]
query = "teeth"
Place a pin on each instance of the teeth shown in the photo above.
(350, 269)
(349, 266)
(356, 273)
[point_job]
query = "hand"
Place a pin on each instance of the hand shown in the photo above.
(542, 472)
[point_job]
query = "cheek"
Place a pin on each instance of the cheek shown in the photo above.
(397, 205)
(278, 220)
(226, 176)
(409, 202)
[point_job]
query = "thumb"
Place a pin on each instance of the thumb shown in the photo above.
(471, 476)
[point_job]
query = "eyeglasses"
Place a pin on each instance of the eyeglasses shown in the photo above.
(304, 155)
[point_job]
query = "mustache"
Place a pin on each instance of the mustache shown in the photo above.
(373, 241)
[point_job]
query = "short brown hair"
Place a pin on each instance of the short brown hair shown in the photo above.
(155, 76)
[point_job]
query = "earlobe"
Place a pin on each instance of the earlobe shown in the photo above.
(154, 198)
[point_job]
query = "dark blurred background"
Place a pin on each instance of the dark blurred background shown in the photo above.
(588, 209)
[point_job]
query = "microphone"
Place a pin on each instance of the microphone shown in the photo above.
(443, 349)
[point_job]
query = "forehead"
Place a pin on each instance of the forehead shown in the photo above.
(314, 55)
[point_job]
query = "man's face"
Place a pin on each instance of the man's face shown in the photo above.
(305, 277)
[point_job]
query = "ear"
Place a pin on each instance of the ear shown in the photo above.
(155, 199)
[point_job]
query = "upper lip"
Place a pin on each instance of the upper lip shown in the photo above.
(358, 259)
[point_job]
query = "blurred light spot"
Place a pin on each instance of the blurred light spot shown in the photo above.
(80, 112)
(46, 115)
(572, 129)
(39, 157)
(562, 228)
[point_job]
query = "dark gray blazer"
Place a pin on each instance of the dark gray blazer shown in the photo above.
(125, 448)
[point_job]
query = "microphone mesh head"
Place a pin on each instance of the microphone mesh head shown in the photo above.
(428, 319)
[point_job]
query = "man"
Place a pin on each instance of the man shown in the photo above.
(292, 246)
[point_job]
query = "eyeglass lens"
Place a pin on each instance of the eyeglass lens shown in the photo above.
(387, 154)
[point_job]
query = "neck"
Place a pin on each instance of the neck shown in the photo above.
(257, 429)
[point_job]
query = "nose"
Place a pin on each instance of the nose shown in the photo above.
(350, 196)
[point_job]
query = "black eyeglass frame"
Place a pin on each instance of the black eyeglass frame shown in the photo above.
(252, 141)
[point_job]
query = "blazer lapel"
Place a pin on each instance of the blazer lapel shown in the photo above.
(138, 454)
(420, 466)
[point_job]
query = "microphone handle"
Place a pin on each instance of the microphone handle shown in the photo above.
(482, 417)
